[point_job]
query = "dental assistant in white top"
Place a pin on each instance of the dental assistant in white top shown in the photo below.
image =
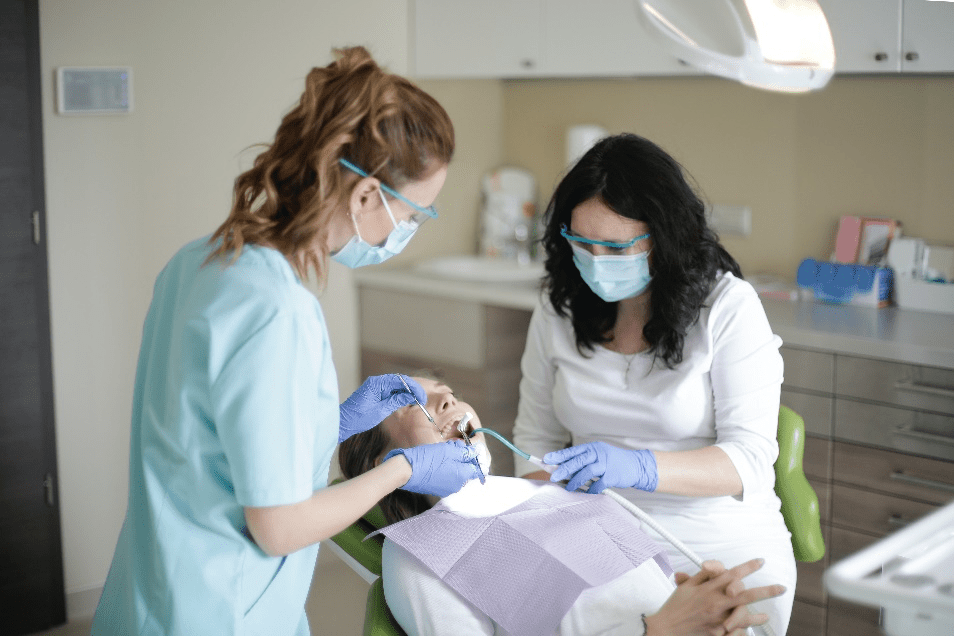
(654, 360)
(235, 411)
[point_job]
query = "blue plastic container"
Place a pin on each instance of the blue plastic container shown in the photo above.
(845, 283)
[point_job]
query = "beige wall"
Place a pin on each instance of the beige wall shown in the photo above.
(876, 146)
(124, 192)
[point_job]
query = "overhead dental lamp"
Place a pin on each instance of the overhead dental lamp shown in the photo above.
(776, 45)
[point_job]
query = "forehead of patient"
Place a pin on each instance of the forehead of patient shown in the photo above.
(408, 426)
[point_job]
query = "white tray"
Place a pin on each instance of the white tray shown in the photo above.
(909, 573)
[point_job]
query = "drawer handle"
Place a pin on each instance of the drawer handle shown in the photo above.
(933, 438)
(920, 481)
(897, 521)
(914, 387)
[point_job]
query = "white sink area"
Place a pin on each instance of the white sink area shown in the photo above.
(481, 269)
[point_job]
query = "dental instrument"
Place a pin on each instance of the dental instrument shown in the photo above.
(756, 630)
(462, 429)
(428, 415)
(533, 459)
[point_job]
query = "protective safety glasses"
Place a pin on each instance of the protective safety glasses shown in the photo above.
(565, 232)
(420, 214)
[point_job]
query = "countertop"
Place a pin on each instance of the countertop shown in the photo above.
(899, 335)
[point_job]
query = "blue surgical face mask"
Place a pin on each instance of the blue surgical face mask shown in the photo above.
(357, 252)
(613, 277)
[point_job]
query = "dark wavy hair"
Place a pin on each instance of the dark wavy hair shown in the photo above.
(636, 179)
(358, 454)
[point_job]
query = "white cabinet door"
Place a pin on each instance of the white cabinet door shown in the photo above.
(602, 38)
(477, 38)
(866, 34)
(927, 43)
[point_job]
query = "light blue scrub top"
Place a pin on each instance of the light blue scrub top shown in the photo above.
(235, 404)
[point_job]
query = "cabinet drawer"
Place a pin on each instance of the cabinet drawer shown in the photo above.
(810, 587)
(816, 410)
(907, 476)
(901, 429)
(817, 458)
(873, 512)
(807, 619)
(477, 337)
(807, 369)
(844, 618)
(927, 388)
(848, 619)
(417, 326)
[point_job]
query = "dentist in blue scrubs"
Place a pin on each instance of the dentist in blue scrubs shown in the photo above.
(235, 411)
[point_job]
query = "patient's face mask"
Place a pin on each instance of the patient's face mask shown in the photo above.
(613, 277)
(357, 252)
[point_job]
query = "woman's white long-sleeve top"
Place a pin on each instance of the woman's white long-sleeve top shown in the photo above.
(724, 393)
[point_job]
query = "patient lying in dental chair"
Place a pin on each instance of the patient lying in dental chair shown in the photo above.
(524, 558)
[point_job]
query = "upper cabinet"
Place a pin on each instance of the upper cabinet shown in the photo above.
(891, 36)
(534, 38)
(604, 38)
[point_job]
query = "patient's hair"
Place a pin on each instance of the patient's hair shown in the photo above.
(357, 455)
(350, 109)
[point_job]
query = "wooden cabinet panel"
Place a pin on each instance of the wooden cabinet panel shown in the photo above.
(908, 476)
(817, 458)
(807, 619)
(844, 618)
(417, 326)
(916, 387)
(848, 619)
(902, 429)
(873, 512)
(807, 369)
(816, 410)
(810, 587)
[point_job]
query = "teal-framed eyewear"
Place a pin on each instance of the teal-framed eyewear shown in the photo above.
(565, 233)
(430, 212)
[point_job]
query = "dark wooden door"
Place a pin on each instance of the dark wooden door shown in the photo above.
(31, 563)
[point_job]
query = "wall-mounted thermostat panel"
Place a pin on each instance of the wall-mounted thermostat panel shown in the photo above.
(93, 90)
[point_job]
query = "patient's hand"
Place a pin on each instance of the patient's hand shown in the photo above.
(711, 603)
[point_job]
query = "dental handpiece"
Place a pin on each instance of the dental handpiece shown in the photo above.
(533, 459)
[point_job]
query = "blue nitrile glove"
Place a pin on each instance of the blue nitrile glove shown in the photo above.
(615, 467)
(378, 397)
(439, 469)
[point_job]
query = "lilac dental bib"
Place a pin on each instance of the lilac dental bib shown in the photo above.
(567, 541)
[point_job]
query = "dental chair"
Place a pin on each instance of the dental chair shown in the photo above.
(799, 508)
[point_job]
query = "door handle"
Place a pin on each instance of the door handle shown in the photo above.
(48, 488)
(35, 220)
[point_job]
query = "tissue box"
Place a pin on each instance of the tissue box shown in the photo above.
(846, 283)
(925, 295)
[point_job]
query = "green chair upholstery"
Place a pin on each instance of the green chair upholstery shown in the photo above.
(799, 502)
(799, 509)
(378, 620)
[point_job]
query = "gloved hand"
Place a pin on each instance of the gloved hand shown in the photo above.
(439, 469)
(615, 467)
(378, 397)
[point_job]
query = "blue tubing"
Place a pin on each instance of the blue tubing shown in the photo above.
(502, 439)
